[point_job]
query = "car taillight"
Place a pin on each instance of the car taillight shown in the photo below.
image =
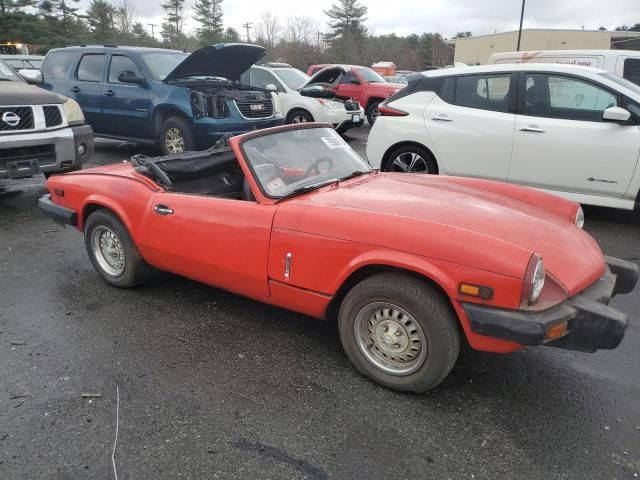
(387, 111)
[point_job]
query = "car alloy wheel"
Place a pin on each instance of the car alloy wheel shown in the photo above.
(108, 251)
(409, 162)
(390, 338)
(174, 140)
(299, 119)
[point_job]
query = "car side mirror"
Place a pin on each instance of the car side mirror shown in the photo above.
(355, 81)
(616, 114)
(271, 87)
(130, 77)
(33, 77)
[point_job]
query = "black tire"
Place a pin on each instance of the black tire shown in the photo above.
(426, 306)
(372, 111)
(425, 164)
(135, 270)
(301, 114)
(180, 126)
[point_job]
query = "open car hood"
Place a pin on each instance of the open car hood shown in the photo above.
(313, 80)
(228, 60)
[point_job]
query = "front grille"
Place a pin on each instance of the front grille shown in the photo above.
(255, 108)
(25, 121)
(41, 152)
(352, 106)
(52, 117)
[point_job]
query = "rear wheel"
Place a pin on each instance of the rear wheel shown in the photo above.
(411, 159)
(399, 331)
(176, 136)
(299, 116)
(112, 251)
(372, 111)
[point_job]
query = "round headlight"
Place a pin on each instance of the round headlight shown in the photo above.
(580, 218)
(533, 280)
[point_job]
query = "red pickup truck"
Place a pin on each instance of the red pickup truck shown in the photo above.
(354, 81)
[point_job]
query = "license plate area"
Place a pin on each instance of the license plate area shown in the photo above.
(23, 168)
(355, 118)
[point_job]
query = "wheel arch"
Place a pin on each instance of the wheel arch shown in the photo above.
(163, 112)
(372, 100)
(96, 203)
(387, 154)
(291, 112)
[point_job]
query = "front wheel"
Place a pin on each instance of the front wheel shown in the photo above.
(176, 136)
(411, 159)
(299, 116)
(372, 112)
(112, 251)
(399, 331)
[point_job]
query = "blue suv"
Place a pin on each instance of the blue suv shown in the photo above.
(151, 95)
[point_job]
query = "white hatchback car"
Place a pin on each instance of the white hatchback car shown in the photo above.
(572, 131)
(287, 84)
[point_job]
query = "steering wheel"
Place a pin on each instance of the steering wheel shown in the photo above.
(315, 167)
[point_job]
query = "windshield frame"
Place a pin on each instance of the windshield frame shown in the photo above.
(243, 139)
(12, 73)
(621, 82)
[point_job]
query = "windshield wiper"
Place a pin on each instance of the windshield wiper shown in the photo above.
(355, 173)
(307, 188)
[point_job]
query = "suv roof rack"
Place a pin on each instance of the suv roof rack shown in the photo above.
(108, 45)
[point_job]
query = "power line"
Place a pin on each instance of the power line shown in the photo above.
(247, 25)
(153, 33)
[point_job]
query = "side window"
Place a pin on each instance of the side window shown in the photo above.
(573, 99)
(91, 67)
(121, 63)
(262, 78)
(486, 92)
(632, 70)
(57, 65)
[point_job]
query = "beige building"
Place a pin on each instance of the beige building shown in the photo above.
(477, 50)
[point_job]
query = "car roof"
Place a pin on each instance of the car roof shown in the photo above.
(123, 48)
(21, 57)
(511, 67)
(274, 65)
(565, 53)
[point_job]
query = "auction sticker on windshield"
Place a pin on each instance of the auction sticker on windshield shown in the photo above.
(334, 142)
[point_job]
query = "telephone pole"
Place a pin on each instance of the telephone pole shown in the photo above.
(247, 26)
(153, 33)
(520, 29)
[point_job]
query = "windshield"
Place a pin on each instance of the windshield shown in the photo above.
(293, 77)
(369, 76)
(293, 161)
(622, 81)
(7, 73)
(162, 64)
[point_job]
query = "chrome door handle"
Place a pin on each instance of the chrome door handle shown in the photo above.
(163, 210)
(443, 118)
(532, 129)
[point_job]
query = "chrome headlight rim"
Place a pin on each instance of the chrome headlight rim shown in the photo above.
(579, 217)
(534, 280)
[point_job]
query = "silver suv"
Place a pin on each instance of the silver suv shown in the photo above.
(40, 131)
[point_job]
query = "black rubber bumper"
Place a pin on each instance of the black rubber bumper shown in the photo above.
(60, 214)
(591, 324)
(83, 137)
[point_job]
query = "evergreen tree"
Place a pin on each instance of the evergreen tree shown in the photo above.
(61, 14)
(208, 13)
(10, 6)
(347, 21)
(172, 26)
(100, 19)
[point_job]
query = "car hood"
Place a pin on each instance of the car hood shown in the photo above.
(18, 93)
(434, 217)
(228, 60)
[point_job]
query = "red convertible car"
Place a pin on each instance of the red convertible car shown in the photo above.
(408, 264)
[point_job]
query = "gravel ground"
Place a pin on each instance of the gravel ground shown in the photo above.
(212, 385)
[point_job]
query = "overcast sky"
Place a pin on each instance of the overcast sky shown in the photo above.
(416, 16)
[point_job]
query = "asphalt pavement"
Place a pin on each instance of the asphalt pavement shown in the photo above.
(203, 384)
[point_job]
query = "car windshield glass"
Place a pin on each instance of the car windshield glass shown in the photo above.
(162, 64)
(7, 73)
(622, 81)
(294, 161)
(293, 77)
(369, 76)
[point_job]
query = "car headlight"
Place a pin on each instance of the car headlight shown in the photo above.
(330, 104)
(579, 217)
(72, 112)
(533, 280)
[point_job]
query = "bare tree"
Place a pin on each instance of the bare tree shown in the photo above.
(300, 29)
(125, 17)
(268, 29)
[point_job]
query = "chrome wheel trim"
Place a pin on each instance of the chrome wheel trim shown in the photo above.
(174, 140)
(108, 251)
(409, 162)
(390, 338)
(299, 119)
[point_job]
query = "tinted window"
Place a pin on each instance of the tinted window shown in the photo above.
(91, 68)
(6, 73)
(565, 97)
(162, 64)
(120, 63)
(369, 76)
(57, 65)
(632, 70)
(487, 92)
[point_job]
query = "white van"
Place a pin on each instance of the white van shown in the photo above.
(625, 63)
